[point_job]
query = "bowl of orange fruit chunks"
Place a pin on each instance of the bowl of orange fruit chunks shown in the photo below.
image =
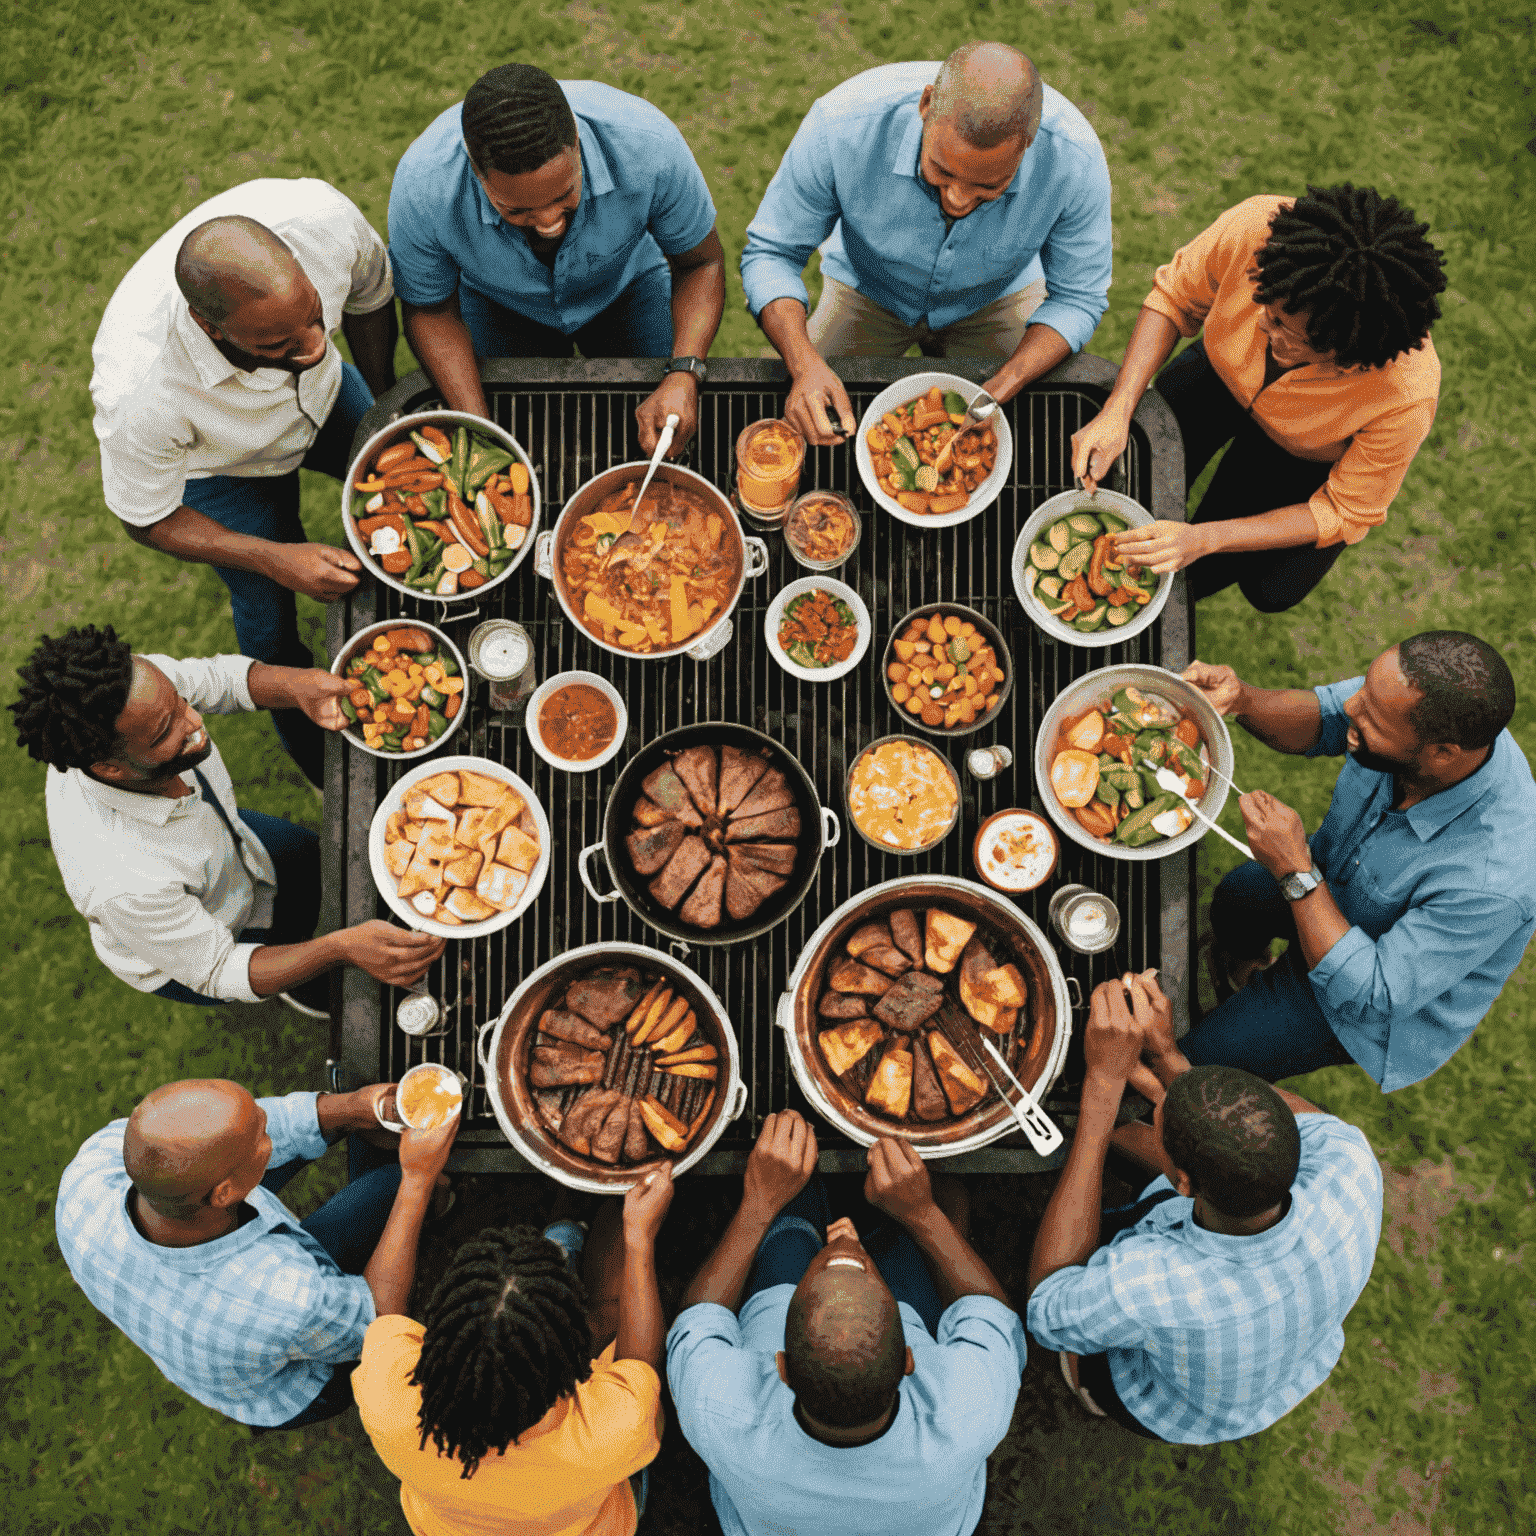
(459, 847)
(908, 463)
(947, 669)
(408, 697)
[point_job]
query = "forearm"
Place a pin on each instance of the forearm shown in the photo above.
(642, 1328)
(783, 323)
(372, 338)
(724, 1272)
(1037, 353)
(698, 302)
(281, 967)
(957, 1267)
(1284, 528)
(1319, 923)
(442, 343)
(339, 1113)
(276, 687)
(1151, 344)
(1284, 719)
(189, 535)
(1069, 1230)
(392, 1268)
(1140, 1142)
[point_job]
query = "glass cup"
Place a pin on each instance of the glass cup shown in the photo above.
(426, 1098)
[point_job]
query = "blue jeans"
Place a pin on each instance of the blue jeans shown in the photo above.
(296, 908)
(267, 507)
(637, 324)
(1273, 1027)
(799, 1233)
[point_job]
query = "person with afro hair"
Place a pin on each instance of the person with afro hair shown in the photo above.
(1315, 370)
(1213, 1304)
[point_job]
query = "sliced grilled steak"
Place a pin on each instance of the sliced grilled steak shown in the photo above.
(668, 791)
(771, 793)
(748, 887)
(698, 768)
(636, 1147)
(776, 858)
(850, 976)
(649, 851)
(684, 867)
(778, 825)
(928, 1101)
(912, 1000)
(571, 1026)
(562, 1066)
(887, 958)
(739, 771)
(841, 1005)
(908, 934)
(702, 909)
(606, 996)
(648, 814)
(608, 1141)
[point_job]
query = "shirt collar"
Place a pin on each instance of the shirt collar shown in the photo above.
(213, 368)
(1437, 812)
(1261, 1248)
(155, 809)
(270, 1215)
(596, 174)
(909, 148)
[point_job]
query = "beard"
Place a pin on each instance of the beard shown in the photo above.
(1401, 769)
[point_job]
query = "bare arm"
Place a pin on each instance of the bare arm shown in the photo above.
(1098, 444)
(1285, 719)
(1039, 350)
(698, 301)
(392, 1268)
(817, 395)
(371, 339)
(1167, 546)
(441, 341)
(642, 1326)
(395, 956)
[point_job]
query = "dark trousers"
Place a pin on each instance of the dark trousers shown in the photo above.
(637, 324)
(267, 507)
(348, 1226)
(799, 1233)
(1257, 475)
(1273, 1027)
(295, 910)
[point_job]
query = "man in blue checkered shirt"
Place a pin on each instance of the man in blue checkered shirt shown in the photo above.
(170, 1223)
(1219, 1302)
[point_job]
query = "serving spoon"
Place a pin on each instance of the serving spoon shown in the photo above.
(662, 444)
(976, 413)
(1169, 780)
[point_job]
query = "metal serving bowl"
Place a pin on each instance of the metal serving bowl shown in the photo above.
(361, 640)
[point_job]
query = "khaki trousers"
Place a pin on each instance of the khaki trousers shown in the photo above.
(847, 324)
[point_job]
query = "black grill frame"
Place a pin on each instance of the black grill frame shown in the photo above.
(574, 419)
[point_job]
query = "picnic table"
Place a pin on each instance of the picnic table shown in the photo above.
(575, 419)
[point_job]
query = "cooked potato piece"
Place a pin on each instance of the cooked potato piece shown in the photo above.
(443, 787)
(849, 976)
(464, 870)
(961, 1086)
(507, 810)
(467, 905)
(499, 887)
(394, 828)
(478, 789)
(518, 850)
(849, 1043)
(890, 1090)
(947, 937)
(1005, 985)
(471, 827)
(397, 857)
(420, 806)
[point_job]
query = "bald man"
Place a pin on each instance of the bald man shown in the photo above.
(873, 1378)
(217, 377)
(170, 1223)
(962, 207)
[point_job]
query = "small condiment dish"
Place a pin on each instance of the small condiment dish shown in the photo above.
(1008, 875)
(844, 594)
(541, 696)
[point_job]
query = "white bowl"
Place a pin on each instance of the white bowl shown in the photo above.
(399, 431)
(365, 637)
(900, 393)
(844, 593)
(536, 736)
(1034, 528)
(394, 800)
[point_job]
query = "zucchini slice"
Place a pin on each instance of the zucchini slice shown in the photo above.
(1118, 616)
(1075, 560)
(1113, 522)
(1050, 586)
(1043, 557)
(1086, 524)
(1059, 536)
(1091, 621)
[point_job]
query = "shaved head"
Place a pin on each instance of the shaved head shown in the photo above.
(185, 1139)
(228, 262)
(989, 93)
(844, 1349)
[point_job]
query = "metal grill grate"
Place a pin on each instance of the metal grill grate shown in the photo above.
(574, 420)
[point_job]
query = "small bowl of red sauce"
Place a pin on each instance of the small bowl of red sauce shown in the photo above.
(576, 721)
(1015, 851)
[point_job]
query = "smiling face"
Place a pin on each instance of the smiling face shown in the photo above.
(542, 202)
(1381, 734)
(159, 734)
(284, 328)
(1287, 335)
(964, 176)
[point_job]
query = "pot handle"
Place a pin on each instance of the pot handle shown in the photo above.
(680, 949)
(784, 1013)
(1075, 992)
(757, 558)
(480, 1055)
(583, 859)
(738, 1100)
(544, 554)
(833, 827)
(714, 642)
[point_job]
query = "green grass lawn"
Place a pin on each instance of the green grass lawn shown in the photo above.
(115, 121)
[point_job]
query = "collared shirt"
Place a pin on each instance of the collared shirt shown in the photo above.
(849, 183)
(1213, 1337)
(643, 198)
(925, 1476)
(160, 882)
(170, 407)
(247, 1324)
(1366, 422)
(1441, 901)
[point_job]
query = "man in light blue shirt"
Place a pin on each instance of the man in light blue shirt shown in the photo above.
(1213, 1305)
(964, 208)
(539, 216)
(1417, 896)
(846, 1396)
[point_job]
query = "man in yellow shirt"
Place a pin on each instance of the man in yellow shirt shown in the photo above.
(495, 1415)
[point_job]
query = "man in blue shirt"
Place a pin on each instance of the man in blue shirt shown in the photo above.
(947, 203)
(537, 216)
(1417, 895)
(847, 1396)
(1213, 1305)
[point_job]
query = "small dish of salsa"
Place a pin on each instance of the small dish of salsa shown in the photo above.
(576, 721)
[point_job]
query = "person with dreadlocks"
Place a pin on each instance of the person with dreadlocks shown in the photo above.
(1414, 900)
(1212, 1305)
(541, 216)
(1314, 363)
(529, 1402)
(186, 895)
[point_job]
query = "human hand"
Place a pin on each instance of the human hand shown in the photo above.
(676, 395)
(1112, 1040)
(320, 571)
(1276, 834)
(319, 694)
(1220, 686)
(1162, 547)
(399, 957)
(843, 1227)
(424, 1154)
(781, 1163)
(816, 395)
(1153, 1013)
(898, 1182)
(645, 1206)
(1097, 446)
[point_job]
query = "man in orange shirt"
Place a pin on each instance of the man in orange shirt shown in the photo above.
(495, 1416)
(1315, 363)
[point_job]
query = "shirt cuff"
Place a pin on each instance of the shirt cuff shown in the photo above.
(1072, 324)
(233, 983)
(1332, 526)
(772, 279)
(1160, 303)
(1331, 974)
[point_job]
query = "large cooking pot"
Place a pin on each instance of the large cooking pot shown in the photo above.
(505, 1063)
(550, 546)
(1037, 1062)
(819, 830)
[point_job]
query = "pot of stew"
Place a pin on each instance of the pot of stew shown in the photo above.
(654, 580)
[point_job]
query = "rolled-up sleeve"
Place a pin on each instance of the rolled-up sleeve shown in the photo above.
(1362, 485)
(1078, 258)
(171, 931)
(1185, 286)
(144, 464)
(212, 685)
(293, 1123)
(1076, 1309)
(797, 213)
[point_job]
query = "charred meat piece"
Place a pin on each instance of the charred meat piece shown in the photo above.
(748, 887)
(649, 851)
(606, 996)
(702, 909)
(648, 814)
(739, 771)
(887, 958)
(684, 867)
(561, 1066)
(697, 768)
(666, 789)
(912, 999)
(608, 1141)
(850, 976)
(962, 1087)
(908, 934)
(571, 1026)
(867, 936)
(841, 1005)
(928, 1101)
(778, 825)
(636, 1147)
(777, 858)
(547, 1103)
(772, 793)
(585, 1118)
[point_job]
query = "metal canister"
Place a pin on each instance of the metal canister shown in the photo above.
(420, 1015)
(502, 653)
(1084, 921)
(987, 762)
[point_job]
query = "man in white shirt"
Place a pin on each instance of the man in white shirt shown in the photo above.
(187, 896)
(216, 377)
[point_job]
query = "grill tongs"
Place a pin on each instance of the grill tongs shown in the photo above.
(961, 1032)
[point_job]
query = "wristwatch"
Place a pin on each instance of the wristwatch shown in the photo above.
(1295, 886)
(693, 365)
